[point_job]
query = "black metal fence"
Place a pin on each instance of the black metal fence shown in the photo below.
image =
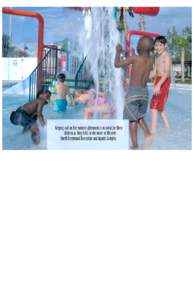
(44, 73)
(47, 69)
(83, 78)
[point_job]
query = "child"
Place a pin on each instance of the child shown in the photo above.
(100, 105)
(136, 101)
(61, 90)
(29, 113)
(161, 74)
(82, 96)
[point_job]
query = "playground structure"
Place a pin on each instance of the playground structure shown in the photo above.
(47, 67)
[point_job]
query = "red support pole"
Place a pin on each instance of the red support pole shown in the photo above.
(137, 32)
(40, 26)
(40, 20)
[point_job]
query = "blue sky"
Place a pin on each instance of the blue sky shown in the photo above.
(62, 22)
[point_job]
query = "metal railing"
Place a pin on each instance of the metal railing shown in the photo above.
(83, 80)
(47, 70)
(44, 73)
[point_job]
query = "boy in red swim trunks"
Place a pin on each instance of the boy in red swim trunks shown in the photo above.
(161, 74)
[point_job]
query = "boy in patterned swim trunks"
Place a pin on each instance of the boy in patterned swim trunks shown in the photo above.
(28, 114)
(161, 74)
(136, 101)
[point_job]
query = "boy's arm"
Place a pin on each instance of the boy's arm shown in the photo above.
(153, 72)
(165, 75)
(122, 63)
(39, 113)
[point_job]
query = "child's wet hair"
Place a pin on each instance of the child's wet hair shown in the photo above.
(161, 39)
(14, 118)
(61, 77)
(39, 93)
(48, 92)
(42, 92)
(145, 44)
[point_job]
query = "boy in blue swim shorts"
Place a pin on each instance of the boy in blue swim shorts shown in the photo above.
(61, 90)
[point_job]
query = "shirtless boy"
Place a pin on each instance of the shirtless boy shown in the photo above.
(61, 89)
(27, 115)
(161, 74)
(136, 101)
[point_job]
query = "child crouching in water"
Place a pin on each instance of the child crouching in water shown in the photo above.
(28, 114)
(99, 105)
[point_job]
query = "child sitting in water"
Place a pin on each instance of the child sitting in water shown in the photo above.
(61, 89)
(28, 114)
(99, 105)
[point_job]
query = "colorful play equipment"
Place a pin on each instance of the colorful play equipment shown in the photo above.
(47, 56)
(130, 33)
(40, 20)
(149, 11)
(120, 14)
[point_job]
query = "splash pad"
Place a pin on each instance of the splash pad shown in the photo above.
(99, 39)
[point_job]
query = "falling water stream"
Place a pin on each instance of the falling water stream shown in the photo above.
(99, 39)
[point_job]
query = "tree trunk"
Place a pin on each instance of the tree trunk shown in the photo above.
(189, 71)
(182, 64)
(142, 23)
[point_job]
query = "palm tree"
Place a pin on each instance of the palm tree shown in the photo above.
(6, 44)
(142, 23)
(182, 43)
(180, 47)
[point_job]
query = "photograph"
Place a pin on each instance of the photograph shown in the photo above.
(97, 78)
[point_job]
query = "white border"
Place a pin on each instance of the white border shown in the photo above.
(96, 224)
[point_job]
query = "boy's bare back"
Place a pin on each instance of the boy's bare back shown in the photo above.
(61, 90)
(142, 64)
(33, 107)
(141, 68)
